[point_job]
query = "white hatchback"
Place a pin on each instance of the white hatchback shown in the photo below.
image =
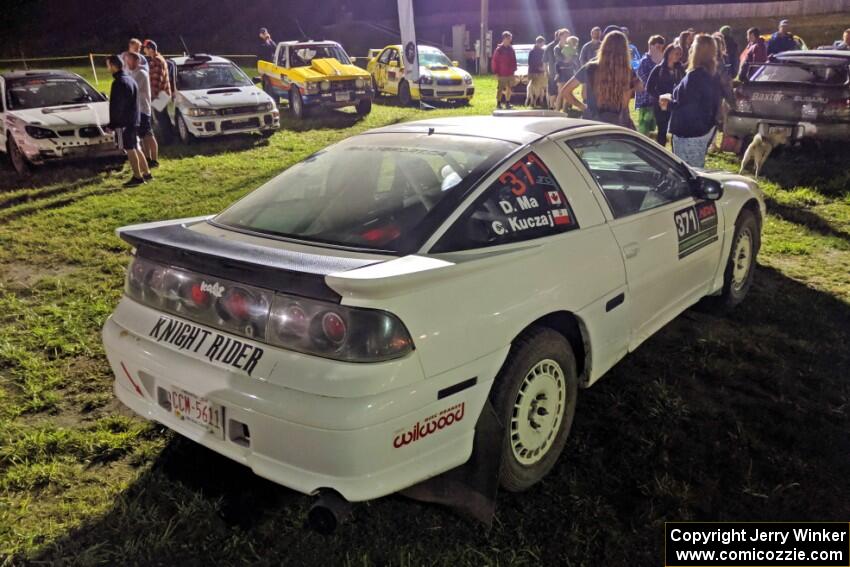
(343, 326)
(214, 97)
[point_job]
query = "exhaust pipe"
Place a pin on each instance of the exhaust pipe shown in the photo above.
(329, 511)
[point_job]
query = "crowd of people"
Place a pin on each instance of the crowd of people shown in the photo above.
(139, 75)
(682, 88)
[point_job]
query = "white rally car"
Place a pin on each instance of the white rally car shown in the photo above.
(212, 96)
(343, 326)
(51, 116)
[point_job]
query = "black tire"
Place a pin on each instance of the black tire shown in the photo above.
(19, 160)
(736, 281)
(267, 133)
(404, 97)
(537, 346)
(364, 106)
(183, 130)
(162, 127)
(296, 104)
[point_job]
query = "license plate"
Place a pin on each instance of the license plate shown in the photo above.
(189, 407)
(241, 121)
(779, 130)
(343, 96)
(809, 111)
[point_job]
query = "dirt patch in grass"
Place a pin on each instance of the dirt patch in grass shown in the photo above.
(20, 276)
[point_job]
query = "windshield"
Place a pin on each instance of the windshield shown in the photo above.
(801, 73)
(302, 56)
(40, 92)
(429, 56)
(376, 191)
(522, 56)
(211, 76)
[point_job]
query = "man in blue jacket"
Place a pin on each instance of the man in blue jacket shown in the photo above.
(782, 40)
(124, 119)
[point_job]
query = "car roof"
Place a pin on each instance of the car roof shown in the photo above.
(520, 128)
(309, 42)
(38, 73)
(821, 53)
(183, 59)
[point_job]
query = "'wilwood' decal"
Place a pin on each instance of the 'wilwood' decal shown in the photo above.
(430, 425)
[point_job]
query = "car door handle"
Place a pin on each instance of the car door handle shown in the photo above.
(631, 250)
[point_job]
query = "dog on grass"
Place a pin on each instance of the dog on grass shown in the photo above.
(760, 149)
(535, 95)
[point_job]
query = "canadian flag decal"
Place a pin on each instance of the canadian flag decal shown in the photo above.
(554, 197)
(561, 216)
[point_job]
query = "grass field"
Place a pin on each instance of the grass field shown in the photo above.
(740, 417)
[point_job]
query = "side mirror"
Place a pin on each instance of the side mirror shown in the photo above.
(455, 63)
(257, 80)
(708, 189)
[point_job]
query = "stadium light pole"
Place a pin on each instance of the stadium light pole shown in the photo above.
(483, 59)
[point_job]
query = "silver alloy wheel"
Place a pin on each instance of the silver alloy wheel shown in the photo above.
(538, 412)
(742, 258)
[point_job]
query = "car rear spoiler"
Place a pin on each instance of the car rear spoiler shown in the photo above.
(288, 271)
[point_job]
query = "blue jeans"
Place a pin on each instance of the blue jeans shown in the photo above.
(692, 150)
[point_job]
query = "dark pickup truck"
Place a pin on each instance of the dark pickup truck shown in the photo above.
(804, 94)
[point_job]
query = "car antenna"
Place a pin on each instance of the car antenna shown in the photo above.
(303, 33)
(185, 49)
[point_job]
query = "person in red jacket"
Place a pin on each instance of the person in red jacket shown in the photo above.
(754, 55)
(504, 66)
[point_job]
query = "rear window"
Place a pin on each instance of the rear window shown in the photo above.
(383, 192)
(801, 73)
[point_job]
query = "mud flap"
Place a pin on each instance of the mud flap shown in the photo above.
(470, 489)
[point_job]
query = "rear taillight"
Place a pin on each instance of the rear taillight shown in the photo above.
(837, 109)
(295, 323)
(743, 103)
(336, 331)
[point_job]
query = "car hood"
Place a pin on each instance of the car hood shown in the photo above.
(225, 96)
(67, 115)
(441, 71)
(521, 71)
(329, 69)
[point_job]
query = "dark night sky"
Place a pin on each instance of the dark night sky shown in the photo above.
(57, 27)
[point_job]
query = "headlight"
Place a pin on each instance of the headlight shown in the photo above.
(200, 112)
(467, 79)
(39, 133)
(311, 88)
(265, 107)
(359, 83)
(426, 80)
(325, 85)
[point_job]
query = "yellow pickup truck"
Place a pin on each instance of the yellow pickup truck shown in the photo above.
(315, 74)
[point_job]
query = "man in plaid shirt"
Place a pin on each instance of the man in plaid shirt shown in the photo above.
(159, 84)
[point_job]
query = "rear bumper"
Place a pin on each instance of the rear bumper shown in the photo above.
(741, 125)
(356, 446)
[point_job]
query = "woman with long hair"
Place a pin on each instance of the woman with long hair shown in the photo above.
(609, 83)
(695, 102)
(662, 80)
